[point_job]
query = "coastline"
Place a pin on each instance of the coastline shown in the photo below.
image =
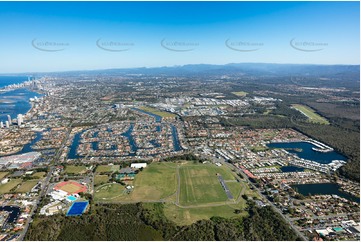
(17, 103)
(14, 82)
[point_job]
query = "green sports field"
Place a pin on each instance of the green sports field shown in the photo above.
(199, 184)
(187, 216)
(310, 113)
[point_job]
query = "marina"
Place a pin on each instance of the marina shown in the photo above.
(14, 213)
(307, 152)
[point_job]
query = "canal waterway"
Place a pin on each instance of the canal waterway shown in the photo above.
(291, 169)
(128, 134)
(323, 189)
(14, 213)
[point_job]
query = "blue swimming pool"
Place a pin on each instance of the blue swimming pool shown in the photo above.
(71, 198)
(77, 208)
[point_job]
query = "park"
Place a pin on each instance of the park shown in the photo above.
(189, 190)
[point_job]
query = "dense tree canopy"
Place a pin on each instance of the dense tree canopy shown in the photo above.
(138, 222)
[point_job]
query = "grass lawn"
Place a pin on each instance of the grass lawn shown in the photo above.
(235, 188)
(187, 216)
(158, 112)
(200, 184)
(75, 169)
(240, 94)
(99, 179)
(5, 188)
(108, 192)
(199, 187)
(226, 173)
(156, 181)
(39, 174)
(310, 113)
(107, 168)
(259, 148)
(3, 174)
(26, 186)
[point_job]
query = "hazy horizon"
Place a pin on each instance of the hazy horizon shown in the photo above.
(170, 66)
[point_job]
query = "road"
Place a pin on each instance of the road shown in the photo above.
(328, 216)
(44, 186)
(265, 198)
(225, 187)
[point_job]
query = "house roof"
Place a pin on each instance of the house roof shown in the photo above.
(127, 170)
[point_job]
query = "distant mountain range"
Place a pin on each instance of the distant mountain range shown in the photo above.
(254, 69)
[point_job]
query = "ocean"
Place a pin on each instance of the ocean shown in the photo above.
(16, 101)
(8, 80)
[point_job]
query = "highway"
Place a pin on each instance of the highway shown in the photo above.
(44, 186)
(268, 202)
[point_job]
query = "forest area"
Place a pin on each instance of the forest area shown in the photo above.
(147, 222)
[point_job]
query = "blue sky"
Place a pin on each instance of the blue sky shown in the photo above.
(192, 33)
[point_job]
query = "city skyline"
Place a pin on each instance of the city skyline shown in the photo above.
(65, 36)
